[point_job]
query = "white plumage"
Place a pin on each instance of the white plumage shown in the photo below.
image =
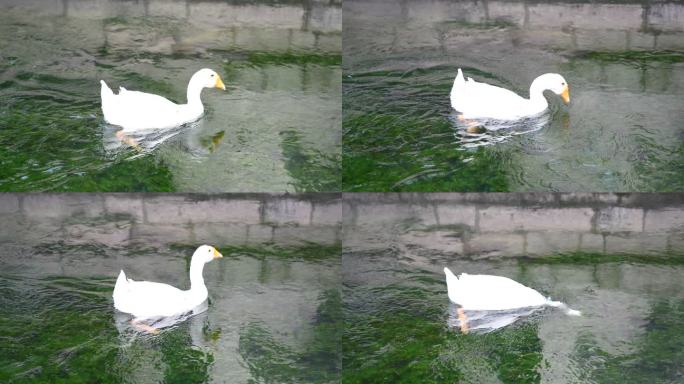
(133, 110)
(144, 299)
(493, 293)
(479, 100)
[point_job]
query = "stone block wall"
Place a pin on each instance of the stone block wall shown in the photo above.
(203, 24)
(119, 219)
(467, 224)
(512, 224)
(583, 25)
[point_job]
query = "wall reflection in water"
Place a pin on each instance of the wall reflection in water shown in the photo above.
(278, 61)
(620, 132)
(273, 305)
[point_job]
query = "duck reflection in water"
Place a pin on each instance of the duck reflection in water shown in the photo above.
(468, 321)
(201, 144)
(144, 142)
(154, 325)
(471, 133)
(154, 305)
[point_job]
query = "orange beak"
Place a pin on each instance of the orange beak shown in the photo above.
(219, 84)
(217, 254)
(565, 95)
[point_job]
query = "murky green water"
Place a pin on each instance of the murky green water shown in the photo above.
(397, 318)
(274, 316)
(621, 132)
(275, 129)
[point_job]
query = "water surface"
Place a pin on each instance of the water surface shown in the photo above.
(399, 324)
(275, 129)
(273, 316)
(622, 130)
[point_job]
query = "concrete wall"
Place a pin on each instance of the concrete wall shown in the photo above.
(470, 224)
(510, 224)
(575, 24)
(190, 26)
(160, 219)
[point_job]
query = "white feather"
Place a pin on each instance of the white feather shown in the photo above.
(133, 110)
(144, 299)
(479, 100)
(493, 293)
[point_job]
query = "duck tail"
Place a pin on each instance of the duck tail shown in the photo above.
(107, 100)
(452, 283)
(459, 83)
(564, 307)
(121, 282)
(459, 76)
(105, 91)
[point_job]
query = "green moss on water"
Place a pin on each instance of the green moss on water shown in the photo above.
(391, 336)
(310, 171)
(326, 350)
(54, 142)
(145, 174)
(664, 172)
(397, 334)
(379, 155)
(296, 58)
(665, 56)
(54, 139)
(655, 356)
(400, 135)
(61, 329)
(583, 258)
(272, 361)
(266, 358)
(398, 349)
(47, 80)
(39, 349)
(183, 364)
(236, 60)
(516, 354)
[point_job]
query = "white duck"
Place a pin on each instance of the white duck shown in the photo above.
(495, 293)
(479, 100)
(145, 300)
(134, 110)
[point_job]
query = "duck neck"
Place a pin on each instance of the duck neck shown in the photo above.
(196, 278)
(537, 95)
(194, 92)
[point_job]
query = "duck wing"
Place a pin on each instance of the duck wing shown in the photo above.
(147, 299)
(494, 93)
(488, 292)
(480, 100)
(138, 110)
(142, 99)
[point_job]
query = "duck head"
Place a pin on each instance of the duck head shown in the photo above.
(554, 83)
(207, 78)
(206, 253)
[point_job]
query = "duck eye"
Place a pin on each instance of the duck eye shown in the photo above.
(212, 75)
